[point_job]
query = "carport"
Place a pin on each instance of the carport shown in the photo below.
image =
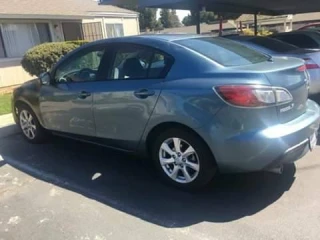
(269, 7)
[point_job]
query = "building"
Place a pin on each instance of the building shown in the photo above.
(26, 23)
(281, 23)
(227, 25)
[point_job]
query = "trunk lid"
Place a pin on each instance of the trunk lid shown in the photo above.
(283, 72)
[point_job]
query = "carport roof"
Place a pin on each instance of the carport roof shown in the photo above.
(268, 7)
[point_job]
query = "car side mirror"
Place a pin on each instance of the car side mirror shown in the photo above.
(45, 78)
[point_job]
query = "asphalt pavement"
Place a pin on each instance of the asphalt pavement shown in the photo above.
(69, 190)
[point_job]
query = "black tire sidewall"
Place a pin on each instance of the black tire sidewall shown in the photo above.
(208, 167)
(40, 131)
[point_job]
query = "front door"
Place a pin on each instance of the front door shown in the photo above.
(124, 102)
(66, 104)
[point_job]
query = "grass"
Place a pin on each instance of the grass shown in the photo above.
(5, 104)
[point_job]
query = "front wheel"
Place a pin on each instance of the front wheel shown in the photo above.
(183, 159)
(29, 125)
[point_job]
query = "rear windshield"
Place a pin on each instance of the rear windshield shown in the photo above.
(223, 51)
(273, 44)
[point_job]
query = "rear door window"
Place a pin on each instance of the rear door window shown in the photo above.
(138, 62)
(299, 40)
(224, 51)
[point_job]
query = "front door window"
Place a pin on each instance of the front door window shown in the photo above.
(81, 68)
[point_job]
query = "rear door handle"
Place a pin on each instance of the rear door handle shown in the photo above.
(84, 95)
(144, 93)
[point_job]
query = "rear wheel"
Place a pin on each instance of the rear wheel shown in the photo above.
(29, 125)
(183, 159)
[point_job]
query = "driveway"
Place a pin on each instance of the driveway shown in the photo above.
(70, 190)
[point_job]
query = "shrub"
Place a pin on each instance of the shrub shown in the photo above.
(41, 58)
(261, 32)
(78, 42)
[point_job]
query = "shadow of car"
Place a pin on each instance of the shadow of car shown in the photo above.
(128, 184)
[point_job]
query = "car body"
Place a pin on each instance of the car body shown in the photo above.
(211, 105)
(275, 47)
(307, 39)
(313, 27)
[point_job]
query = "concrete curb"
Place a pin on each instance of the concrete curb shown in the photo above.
(7, 126)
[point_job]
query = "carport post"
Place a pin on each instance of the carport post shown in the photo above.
(255, 24)
(198, 21)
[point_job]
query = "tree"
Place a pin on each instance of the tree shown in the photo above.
(147, 16)
(188, 20)
(169, 18)
(165, 18)
(205, 17)
(174, 19)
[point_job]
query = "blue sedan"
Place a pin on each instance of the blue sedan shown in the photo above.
(194, 105)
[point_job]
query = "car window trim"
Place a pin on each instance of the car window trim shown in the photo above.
(115, 47)
(67, 58)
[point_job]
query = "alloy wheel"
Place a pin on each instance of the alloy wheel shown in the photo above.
(179, 160)
(27, 124)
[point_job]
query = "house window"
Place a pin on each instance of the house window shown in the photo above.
(72, 31)
(18, 38)
(114, 30)
(92, 31)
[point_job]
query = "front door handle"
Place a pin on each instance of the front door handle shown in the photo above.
(84, 95)
(144, 93)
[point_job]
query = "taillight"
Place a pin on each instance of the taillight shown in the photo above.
(253, 95)
(310, 64)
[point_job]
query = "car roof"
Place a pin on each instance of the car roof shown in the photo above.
(170, 37)
(147, 38)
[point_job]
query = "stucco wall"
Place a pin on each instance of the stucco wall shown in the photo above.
(130, 25)
(11, 72)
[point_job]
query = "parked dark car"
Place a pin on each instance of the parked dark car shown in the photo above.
(195, 105)
(313, 27)
(275, 47)
(302, 39)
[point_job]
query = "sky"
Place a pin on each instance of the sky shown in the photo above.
(181, 14)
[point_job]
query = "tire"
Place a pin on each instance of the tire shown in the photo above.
(30, 126)
(200, 166)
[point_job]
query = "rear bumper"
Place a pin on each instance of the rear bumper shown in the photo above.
(266, 148)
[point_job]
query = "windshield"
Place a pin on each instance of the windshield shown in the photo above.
(273, 44)
(224, 51)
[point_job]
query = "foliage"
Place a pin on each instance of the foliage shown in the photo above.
(264, 32)
(147, 17)
(5, 103)
(261, 32)
(78, 42)
(248, 32)
(169, 18)
(41, 58)
(205, 17)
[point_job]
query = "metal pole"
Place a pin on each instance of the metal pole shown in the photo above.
(220, 26)
(255, 24)
(198, 21)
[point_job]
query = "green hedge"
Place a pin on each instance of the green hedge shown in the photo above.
(43, 57)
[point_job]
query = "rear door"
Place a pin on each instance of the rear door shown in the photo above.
(124, 101)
